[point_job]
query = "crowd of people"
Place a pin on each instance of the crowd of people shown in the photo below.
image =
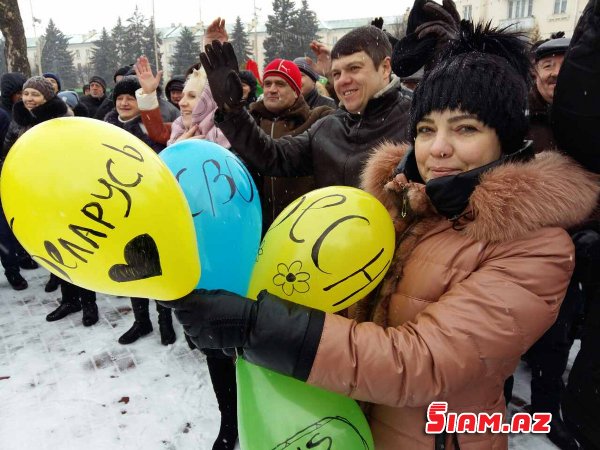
(469, 135)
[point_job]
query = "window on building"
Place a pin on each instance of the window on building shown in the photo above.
(520, 8)
(560, 6)
(77, 54)
(468, 12)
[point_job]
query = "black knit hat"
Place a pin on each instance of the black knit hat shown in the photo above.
(127, 85)
(306, 69)
(54, 77)
(484, 72)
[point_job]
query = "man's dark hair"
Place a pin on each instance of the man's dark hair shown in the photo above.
(369, 39)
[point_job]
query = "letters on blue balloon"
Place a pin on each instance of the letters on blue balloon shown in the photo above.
(226, 209)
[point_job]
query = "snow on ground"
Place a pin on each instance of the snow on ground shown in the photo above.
(66, 386)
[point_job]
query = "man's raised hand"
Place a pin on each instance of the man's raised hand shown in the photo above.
(221, 68)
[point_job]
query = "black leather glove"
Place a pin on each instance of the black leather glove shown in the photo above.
(271, 332)
(429, 28)
(443, 21)
(428, 11)
(222, 71)
(377, 22)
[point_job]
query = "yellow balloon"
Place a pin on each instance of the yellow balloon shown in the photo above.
(96, 206)
(327, 249)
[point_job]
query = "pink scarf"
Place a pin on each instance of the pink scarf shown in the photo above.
(203, 116)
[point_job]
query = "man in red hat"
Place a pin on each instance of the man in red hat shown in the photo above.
(283, 112)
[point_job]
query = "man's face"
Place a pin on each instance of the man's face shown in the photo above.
(546, 73)
(96, 90)
(307, 84)
(278, 95)
(356, 80)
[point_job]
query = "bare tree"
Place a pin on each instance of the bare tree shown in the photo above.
(15, 47)
(397, 28)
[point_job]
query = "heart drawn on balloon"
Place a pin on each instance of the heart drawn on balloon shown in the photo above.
(141, 258)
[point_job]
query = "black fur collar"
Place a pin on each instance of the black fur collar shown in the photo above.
(53, 108)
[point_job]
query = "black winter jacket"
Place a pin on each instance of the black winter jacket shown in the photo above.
(333, 149)
(92, 104)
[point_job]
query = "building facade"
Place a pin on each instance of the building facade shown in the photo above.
(538, 18)
(535, 17)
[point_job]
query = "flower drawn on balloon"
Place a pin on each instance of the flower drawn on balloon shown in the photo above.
(291, 278)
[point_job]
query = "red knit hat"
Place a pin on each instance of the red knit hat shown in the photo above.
(287, 70)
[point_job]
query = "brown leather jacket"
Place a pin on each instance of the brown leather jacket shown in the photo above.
(278, 192)
(461, 302)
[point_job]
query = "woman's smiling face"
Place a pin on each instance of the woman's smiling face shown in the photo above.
(453, 141)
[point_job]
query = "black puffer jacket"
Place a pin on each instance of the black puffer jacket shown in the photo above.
(133, 126)
(23, 119)
(333, 149)
(10, 84)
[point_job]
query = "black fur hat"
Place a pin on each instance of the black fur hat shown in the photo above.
(485, 72)
(127, 85)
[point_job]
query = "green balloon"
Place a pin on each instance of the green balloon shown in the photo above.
(276, 412)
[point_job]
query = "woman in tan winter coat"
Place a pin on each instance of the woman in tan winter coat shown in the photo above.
(481, 267)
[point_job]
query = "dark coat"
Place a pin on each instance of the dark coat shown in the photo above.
(278, 192)
(23, 119)
(4, 124)
(575, 113)
(576, 124)
(92, 104)
(314, 99)
(333, 149)
(134, 126)
(540, 130)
